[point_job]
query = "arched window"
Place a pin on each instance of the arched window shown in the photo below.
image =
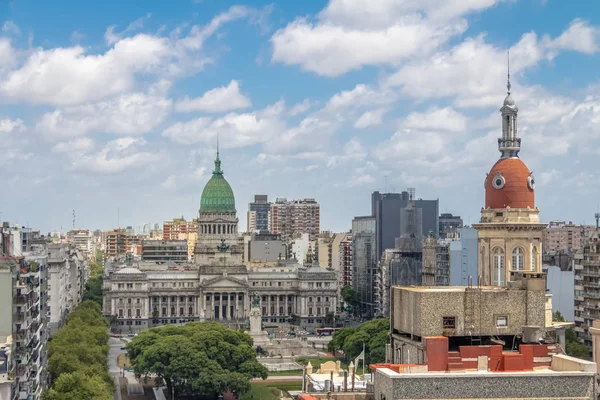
(518, 259)
(498, 272)
(533, 257)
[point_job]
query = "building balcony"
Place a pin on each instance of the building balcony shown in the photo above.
(590, 272)
(589, 284)
(592, 295)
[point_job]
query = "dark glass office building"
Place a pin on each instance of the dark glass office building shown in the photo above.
(387, 209)
(364, 263)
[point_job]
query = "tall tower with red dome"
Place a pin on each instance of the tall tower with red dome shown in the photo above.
(510, 233)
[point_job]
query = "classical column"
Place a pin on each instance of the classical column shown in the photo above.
(268, 305)
(226, 313)
(277, 305)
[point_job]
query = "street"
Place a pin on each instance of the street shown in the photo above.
(114, 351)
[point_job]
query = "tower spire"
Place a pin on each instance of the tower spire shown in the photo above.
(509, 144)
(218, 169)
(508, 86)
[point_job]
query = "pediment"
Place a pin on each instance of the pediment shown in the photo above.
(223, 282)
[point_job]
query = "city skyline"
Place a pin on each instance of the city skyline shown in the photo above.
(121, 123)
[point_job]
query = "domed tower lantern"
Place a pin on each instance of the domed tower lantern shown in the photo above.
(217, 219)
(510, 232)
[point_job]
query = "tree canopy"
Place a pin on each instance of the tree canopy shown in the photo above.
(93, 287)
(574, 347)
(374, 334)
(77, 357)
(349, 295)
(199, 358)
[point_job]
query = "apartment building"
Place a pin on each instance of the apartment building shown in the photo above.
(165, 250)
(180, 229)
(120, 241)
(259, 214)
(23, 341)
(587, 287)
(293, 217)
(345, 261)
(436, 262)
(81, 239)
(560, 236)
(449, 224)
(67, 276)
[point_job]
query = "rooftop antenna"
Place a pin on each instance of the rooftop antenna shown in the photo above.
(597, 215)
(73, 219)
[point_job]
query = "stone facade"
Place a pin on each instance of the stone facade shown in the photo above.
(485, 385)
(464, 312)
(509, 240)
(218, 284)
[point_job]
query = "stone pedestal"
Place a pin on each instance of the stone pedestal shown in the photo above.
(259, 336)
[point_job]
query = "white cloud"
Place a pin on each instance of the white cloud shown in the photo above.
(7, 54)
(361, 177)
(361, 96)
(446, 119)
(130, 114)
(77, 37)
(65, 76)
(474, 71)
(198, 34)
(74, 146)
(74, 75)
(116, 156)
(370, 118)
(170, 182)
(353, 151)
(302, 107)
(221, 99)
(331, 50)
(579, 36)
(417, 146)
(11, 125)
(352, 34)
(9, 27)
(376, 13)
(235, 130)
(111, 36)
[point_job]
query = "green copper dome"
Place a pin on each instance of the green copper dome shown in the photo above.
(217, 195)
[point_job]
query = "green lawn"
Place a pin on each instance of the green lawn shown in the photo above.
(316, 362)
(269, 390)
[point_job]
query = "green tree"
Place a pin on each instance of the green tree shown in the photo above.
(349, 295)
(77, 386)
(574, 347)
(77, 357)
(337, 342)
(93, 289)
(196, 359)
(373, 335)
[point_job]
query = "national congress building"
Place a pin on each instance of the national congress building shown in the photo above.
(217, 285)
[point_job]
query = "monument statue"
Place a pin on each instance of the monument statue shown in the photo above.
(223, 247)
(256, 300)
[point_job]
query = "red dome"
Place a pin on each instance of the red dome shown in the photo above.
(509, 185)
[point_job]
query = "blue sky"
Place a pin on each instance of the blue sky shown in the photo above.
(116, 106)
